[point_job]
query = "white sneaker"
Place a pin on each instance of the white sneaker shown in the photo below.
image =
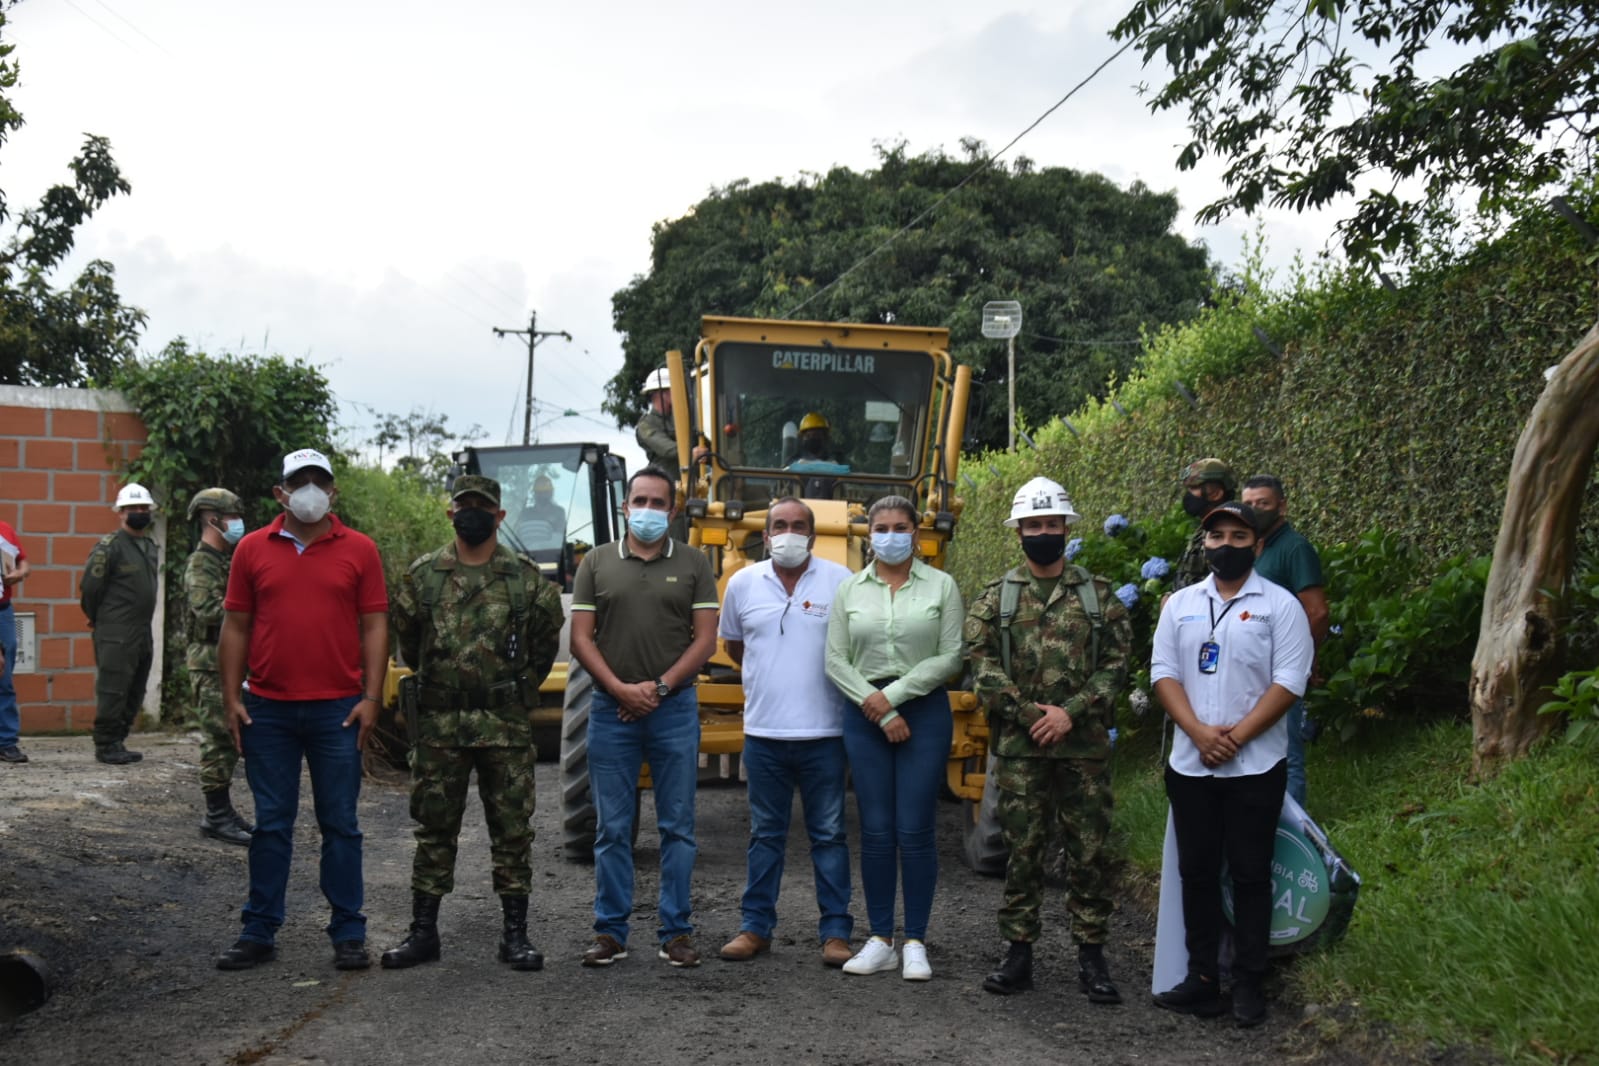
(878, 955)
(916, 967)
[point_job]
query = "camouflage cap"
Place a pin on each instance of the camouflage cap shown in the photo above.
(477, 485)
(1209, 470)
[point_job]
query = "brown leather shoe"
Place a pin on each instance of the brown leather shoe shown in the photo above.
(836, 951)
(744, 947)
(604, 951)
(680, 951)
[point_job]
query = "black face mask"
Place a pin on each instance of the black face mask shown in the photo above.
(473, 526)
(138, 520)
(1230, 562)
(1196, 506)
(1044, 548)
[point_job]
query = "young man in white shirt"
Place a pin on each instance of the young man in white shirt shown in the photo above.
(774, 620)
(1231, 655)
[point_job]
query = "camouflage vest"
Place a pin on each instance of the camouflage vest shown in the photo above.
(1010, 596)
(432, 584)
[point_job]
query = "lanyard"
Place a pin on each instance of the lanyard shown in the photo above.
(1215, 621)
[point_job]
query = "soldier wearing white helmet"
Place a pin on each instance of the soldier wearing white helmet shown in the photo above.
(1047, 644)
(118, 595)
(656, 433)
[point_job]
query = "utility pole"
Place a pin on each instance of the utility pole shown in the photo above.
(535, 337)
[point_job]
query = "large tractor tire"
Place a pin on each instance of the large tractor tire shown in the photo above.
(577, 805)
(983, 845)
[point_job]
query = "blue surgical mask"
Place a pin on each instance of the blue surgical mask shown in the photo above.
(892, 548)
(647, 525)
(232, 530)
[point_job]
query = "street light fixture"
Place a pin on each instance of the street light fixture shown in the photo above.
(1002, 320)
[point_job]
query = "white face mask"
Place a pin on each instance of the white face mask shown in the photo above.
(309, 503)
(790, 550)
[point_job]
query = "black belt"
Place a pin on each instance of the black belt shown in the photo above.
(880, 682)
(438, 698)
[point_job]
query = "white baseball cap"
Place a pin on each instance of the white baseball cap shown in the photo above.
(303, 458)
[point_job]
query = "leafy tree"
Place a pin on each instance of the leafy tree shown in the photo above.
(1092, 264)
(48, 335)
(1303, 101)
(427, 440)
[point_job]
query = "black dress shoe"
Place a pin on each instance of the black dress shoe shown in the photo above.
(115, 755)
(351, 955)
(13, 754)
(245, 955)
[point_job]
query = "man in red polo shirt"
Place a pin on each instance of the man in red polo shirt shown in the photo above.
(307, 611)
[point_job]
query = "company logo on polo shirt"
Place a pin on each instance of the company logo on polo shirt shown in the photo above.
(1250, 616)
(671, 579)
(812, 609)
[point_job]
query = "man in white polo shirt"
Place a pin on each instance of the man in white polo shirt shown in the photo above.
(774, 620)
(1231, 655)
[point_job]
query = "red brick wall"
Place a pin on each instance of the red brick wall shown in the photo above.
(61, 451)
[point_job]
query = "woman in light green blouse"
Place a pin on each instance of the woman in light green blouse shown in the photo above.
(893, 639)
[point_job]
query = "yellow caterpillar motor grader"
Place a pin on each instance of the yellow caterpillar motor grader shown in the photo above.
(894, 404)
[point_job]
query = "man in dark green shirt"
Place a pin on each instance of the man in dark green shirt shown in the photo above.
(118, 595)
(1290, 560)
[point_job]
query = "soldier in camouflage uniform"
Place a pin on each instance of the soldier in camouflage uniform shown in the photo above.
(481, 626)
(1048, 690)
(205, 582)
(1206, 482)
(118, 595)
(656, 433)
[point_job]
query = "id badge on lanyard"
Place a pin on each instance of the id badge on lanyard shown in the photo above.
(1210, 651)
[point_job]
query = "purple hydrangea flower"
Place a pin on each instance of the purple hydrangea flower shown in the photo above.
(1112, 732)
(1115, 524)
(1128, 594)
(1155, 567)
(1073, 547)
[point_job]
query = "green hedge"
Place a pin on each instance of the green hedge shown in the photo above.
(1391, 408)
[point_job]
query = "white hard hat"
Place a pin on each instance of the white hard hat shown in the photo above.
(657, 381)
(1038, 498)
(132, 495)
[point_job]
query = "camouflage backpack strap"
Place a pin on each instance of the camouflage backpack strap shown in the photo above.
(516, 591)
(430, 585)
(1010, 596)
(1088, 596)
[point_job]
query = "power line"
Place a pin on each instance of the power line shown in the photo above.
(1085, 344)
(121, 18)
(103, 27)
(980, 168)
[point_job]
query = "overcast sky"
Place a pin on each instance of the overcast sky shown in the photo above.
(373, 186)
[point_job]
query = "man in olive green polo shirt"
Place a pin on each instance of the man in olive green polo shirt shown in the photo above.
(643, 623)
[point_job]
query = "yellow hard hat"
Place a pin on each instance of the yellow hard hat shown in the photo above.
(542, 483)
(814, 420)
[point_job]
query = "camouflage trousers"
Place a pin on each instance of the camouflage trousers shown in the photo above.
(1045, 801)
(218, 756)
(439, 779)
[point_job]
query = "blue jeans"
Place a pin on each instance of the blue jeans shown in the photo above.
(775, 768)
(281, 733)
(669, 739)
(896, 791)
(1296, 751)
(10, 717)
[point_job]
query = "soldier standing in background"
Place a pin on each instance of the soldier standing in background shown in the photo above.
(1048, 644)
(205, 583)
(118, 595)
(1206, 483)
(481, 627)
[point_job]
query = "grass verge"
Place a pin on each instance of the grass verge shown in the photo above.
(1478, 921)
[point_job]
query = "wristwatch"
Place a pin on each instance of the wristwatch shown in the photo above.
(662, 689)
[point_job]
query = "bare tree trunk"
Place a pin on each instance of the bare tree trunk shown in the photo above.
(1518, 647)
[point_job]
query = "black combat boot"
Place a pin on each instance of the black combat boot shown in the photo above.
(422, 943)
(514, 946)
(132, 756)
(1015, 974)
(114, 754)
(1093, 976)
(221, 821)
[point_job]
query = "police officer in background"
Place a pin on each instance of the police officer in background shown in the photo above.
(205, 584)
(1206, 483)
(481, 626)
(118, 595)
(1048, 682)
